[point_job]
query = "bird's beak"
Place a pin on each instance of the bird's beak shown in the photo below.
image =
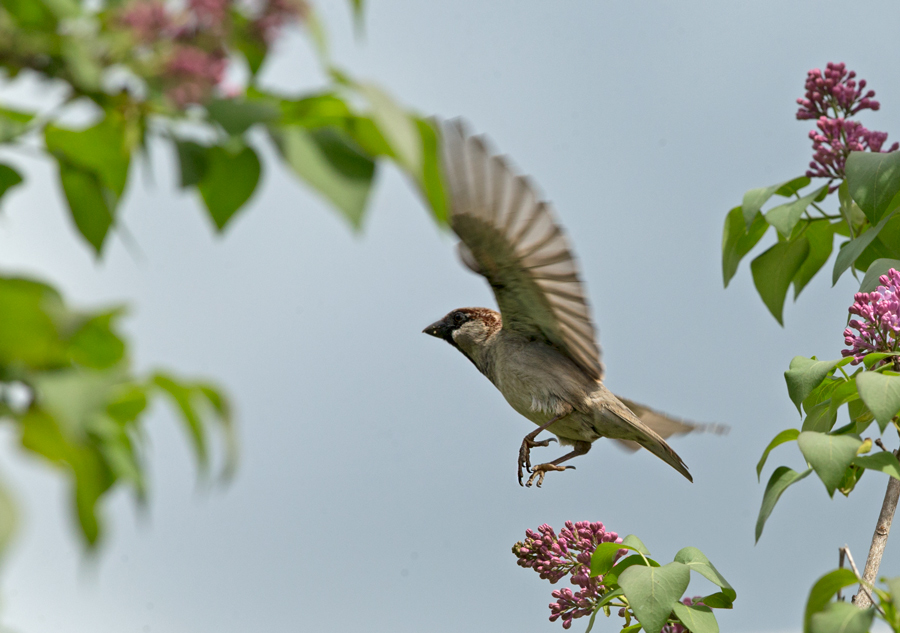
(438, 329)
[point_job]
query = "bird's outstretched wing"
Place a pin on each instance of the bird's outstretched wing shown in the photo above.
(665, 425)
(509, 235)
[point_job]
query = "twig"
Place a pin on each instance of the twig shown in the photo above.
(879, 539)
(845, 551)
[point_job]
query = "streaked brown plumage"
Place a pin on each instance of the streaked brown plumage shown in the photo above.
(540, 349)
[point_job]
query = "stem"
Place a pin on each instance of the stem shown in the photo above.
(879, 540)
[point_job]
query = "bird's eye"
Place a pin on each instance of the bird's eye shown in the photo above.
(459, 318)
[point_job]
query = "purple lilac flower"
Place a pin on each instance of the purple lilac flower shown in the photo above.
(275, 14)
(553, 557)
(193, 73)
(879, 329)
(831, 98)
(148, 19)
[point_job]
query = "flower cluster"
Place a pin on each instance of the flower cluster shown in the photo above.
(189, 42)
(879, 329)
(831, 98)
(554, 557)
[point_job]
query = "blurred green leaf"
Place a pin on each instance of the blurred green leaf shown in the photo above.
(774, 270)
(191, 161)
(885, 462)
(399, 128)
(875, 270)
(95, 345)
(873, 179)
(222, 408)
(9, 518)
(841, 617)
(785, 216)
(698, 562)
(805, 374)
(788, 435)
(653, 591)
(780, 480)
(93, 211)
(829, 455)
(228, 182)
(330, 163)
(100, 149)
(9, 178)
(432, 182)
(738, 240)
(821, 242)
(823, 590)
(697, 619)
(29, 335)
(30, 14)
(851, 250)
(236, 116)
(881, 394)
(755, 198)
(183, 398)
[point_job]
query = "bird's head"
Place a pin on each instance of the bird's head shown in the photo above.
(466, 328)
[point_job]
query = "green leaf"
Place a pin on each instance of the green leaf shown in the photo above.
(788, 435)
(820, 418)
(698, 562)
(29, 335)
(192, 162)
(228, 183)
(330, 163)
(9, 518)
(738, 240)
(653, 591)
(873, 179)
(432, 182)
(399, 128)
(237, 115)
(881, 394)
(697, 619)
(604, 600)
(101, 149)
(612, 576)
(851, 250)
(603, 557)
(92, 209)
(9, 178)
(885, 461)
(841, 617)
(95, 345)
(183, 397)
(829, 455)
(821, 242)
(633, 542)
(223, 412)
(875, 270)
(29, 14)
(774, 270)
(805, 374)
(785, 216)
(823, 590)
(717, 600)
(778, 483)
(755, 198)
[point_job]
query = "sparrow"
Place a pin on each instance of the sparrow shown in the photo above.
(540, 349)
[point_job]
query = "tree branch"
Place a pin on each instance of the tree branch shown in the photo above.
(879, 540)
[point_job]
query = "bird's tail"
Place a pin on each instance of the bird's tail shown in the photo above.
(631, 428)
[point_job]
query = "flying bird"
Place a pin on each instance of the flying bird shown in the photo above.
(540, 349)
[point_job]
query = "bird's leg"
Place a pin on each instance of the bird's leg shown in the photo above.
(579, 448)
(530, 442)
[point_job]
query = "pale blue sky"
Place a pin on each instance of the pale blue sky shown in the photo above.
(377, 490)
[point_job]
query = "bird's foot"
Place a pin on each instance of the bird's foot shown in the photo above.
(541, 470)
(525, 453)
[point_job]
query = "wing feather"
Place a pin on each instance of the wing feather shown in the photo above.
(511, 237)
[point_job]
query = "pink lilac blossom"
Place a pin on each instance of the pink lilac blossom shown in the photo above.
(275, 14)
(148, 19)
(879, 329)
(210, 14)
(193, 73)
(553, 557)
(831, 98)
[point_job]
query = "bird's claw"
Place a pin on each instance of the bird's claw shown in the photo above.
(541, 470)
(525, 454)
